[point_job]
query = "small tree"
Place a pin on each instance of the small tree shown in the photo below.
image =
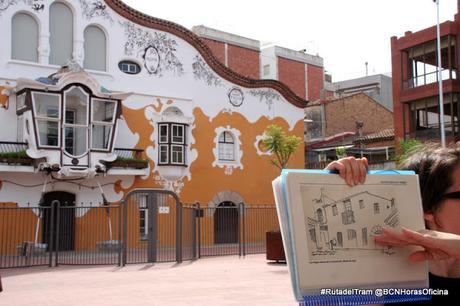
(407, 147)
(278, 143)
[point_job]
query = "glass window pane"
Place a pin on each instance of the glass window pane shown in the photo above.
(103, 110)
(76, 100)
(178, 154)
(48, 132)
(164, 154)
(20, 101)
(46, 105)
(226, 151)
(101, 136)
(163, 133)
(75, 140)
(177, 133)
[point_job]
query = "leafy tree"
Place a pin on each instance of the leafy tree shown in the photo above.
(407, 147)
(340, 152)
(280, 144)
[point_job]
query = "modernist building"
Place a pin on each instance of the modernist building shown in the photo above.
(98, 97)
(378, 87)
(415, 82)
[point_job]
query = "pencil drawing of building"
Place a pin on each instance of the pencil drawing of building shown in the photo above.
(350, 222)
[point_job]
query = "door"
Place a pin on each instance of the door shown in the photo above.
(152, 226)
(63, 231)
(226, 223)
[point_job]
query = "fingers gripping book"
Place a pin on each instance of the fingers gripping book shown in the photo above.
(328, 229)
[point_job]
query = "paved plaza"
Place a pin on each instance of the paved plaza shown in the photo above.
(225, 280)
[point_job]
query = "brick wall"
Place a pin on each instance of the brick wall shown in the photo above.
(292, 73)
(315, 77)
(217, 48)
(244, 61)
(341, 115)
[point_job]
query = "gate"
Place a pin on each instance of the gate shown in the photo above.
(157, 228)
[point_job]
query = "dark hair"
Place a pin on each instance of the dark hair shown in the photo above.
(434, 166)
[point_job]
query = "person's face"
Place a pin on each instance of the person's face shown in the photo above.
(447, 217)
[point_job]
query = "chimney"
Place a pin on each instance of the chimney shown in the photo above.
(359, 128)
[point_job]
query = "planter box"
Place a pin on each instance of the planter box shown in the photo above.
(127, 164)
(16, 161)
(27, 248)
(275, 250)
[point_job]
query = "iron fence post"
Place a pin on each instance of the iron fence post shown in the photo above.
(120, 240)
(243, 211)
(240, 231)
(56, 246)
(178, 232)
(50, 238)
(199, 229)
(194, 217)
(125, 231)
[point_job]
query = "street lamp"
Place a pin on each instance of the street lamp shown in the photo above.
(441, 98)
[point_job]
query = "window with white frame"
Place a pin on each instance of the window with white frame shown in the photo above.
(143, 216)
(103, 118)
(95, 49)
(75, 126)
(47, 113)
(226, 146)
(61, 33)
(24, 38)
(172, 143)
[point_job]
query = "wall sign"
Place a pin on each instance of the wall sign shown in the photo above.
(151, 59)
(235, 96)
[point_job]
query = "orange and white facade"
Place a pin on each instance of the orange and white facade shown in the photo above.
(80, 79)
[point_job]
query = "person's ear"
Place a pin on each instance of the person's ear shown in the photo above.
(428, 216)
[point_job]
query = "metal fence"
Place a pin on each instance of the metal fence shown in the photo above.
(143, 228)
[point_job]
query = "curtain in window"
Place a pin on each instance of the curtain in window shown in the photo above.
(95, 49)
(61, 34)
(24, 36)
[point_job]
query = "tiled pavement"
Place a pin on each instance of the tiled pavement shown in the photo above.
(225, 280)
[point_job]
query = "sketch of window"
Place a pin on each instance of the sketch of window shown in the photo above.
(319, 215)
(361, 204)
(348, 215)
(312, 235)
(376, 208)
(335, 212)
(351, 234)
(339, 239)
(364, 234)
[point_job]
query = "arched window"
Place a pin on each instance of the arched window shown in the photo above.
(95, 49)
(61, 34)
(226, 147)
(24, 38)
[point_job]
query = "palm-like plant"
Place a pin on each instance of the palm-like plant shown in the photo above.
(280, 144)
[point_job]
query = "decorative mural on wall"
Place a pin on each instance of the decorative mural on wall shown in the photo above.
(201, 71)
(266, 95)
(35, 5)
(92, 9)
(235, 96)
(157, 50)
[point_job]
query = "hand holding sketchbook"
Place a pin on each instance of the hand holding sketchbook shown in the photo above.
(328, 228)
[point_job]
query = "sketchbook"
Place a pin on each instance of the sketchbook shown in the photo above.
(328, 227)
